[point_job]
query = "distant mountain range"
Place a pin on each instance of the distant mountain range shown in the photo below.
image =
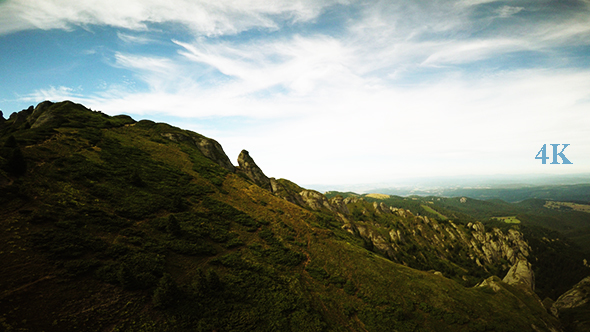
(513, 193)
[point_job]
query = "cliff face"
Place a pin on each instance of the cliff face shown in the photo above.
(419, 241)
(573, 307)
(213, 150)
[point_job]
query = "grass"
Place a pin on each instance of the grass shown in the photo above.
(567, 206)
(508, 220)
(431, 210)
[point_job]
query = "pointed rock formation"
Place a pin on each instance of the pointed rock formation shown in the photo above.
(252, 171)
(521, 274)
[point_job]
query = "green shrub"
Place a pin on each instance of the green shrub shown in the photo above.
(166, 293)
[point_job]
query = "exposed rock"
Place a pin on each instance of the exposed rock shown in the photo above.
(21, 117)
(210, 148)
(249, 167)
(287, 190)
(315, 200)
(492, 282)
(352, 200)
(380, 244)
(43, 118)
(573, 307)
(177, 138)
(396, 236)
(213, 150)
(349, 227)
(39, 117)
(381, 208)
(521, 274)
(339, 205)
(274, 185)
(573, 298)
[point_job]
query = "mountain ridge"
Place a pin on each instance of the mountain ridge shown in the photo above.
(154, 222)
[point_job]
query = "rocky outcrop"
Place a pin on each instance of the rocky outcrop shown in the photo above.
(573, 307)
(210, 148)
(492, 282)
(315, 200)
(578, 296)
(30, 116)
(213, 150)
(487, 248)
(21, 117)
(252, 171)
(521, 275)
(339, 204)
(494, 244)
(39, 117)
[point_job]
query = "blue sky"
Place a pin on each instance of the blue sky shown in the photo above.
(322, 92)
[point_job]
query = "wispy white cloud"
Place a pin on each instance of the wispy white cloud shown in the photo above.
(448, 127)
(507, 11)
(135, 39)
(457, 52)
(345, 98)
(208, 17)
(298, 64)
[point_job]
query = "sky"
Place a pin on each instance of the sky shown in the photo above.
(323, 92)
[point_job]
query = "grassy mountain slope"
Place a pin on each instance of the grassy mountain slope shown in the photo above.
(111, 224)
